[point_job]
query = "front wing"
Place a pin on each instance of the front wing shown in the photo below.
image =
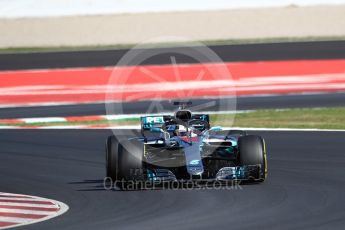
(238, 173)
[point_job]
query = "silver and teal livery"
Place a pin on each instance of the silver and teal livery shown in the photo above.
(182, 147)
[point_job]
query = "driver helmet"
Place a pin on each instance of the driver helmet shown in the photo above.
(182, 131)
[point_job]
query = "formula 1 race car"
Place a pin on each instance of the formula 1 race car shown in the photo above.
(184, 147)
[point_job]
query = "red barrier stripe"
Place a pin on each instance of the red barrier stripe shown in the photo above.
(11, 121)
(21, 215)
(27, 201)
(100, 76)
(84, 118)
(87, 85)
(6, 224)
(30, 208)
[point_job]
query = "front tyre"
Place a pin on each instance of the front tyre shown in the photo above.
(252, 151)
(130, 167)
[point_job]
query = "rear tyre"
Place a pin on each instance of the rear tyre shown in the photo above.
(111, 156)
(252, 151)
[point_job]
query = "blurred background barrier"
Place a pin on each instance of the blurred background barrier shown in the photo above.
(97, 23)
(56, 8)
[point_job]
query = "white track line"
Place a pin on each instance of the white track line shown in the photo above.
(285, 129)
(64, 127)
(137, 127)
(244, 128)
(43, 119)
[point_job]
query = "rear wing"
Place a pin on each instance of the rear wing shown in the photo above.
(182, 104)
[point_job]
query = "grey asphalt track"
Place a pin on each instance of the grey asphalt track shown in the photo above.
(243, 103)
(304, 190)
(241, 52)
